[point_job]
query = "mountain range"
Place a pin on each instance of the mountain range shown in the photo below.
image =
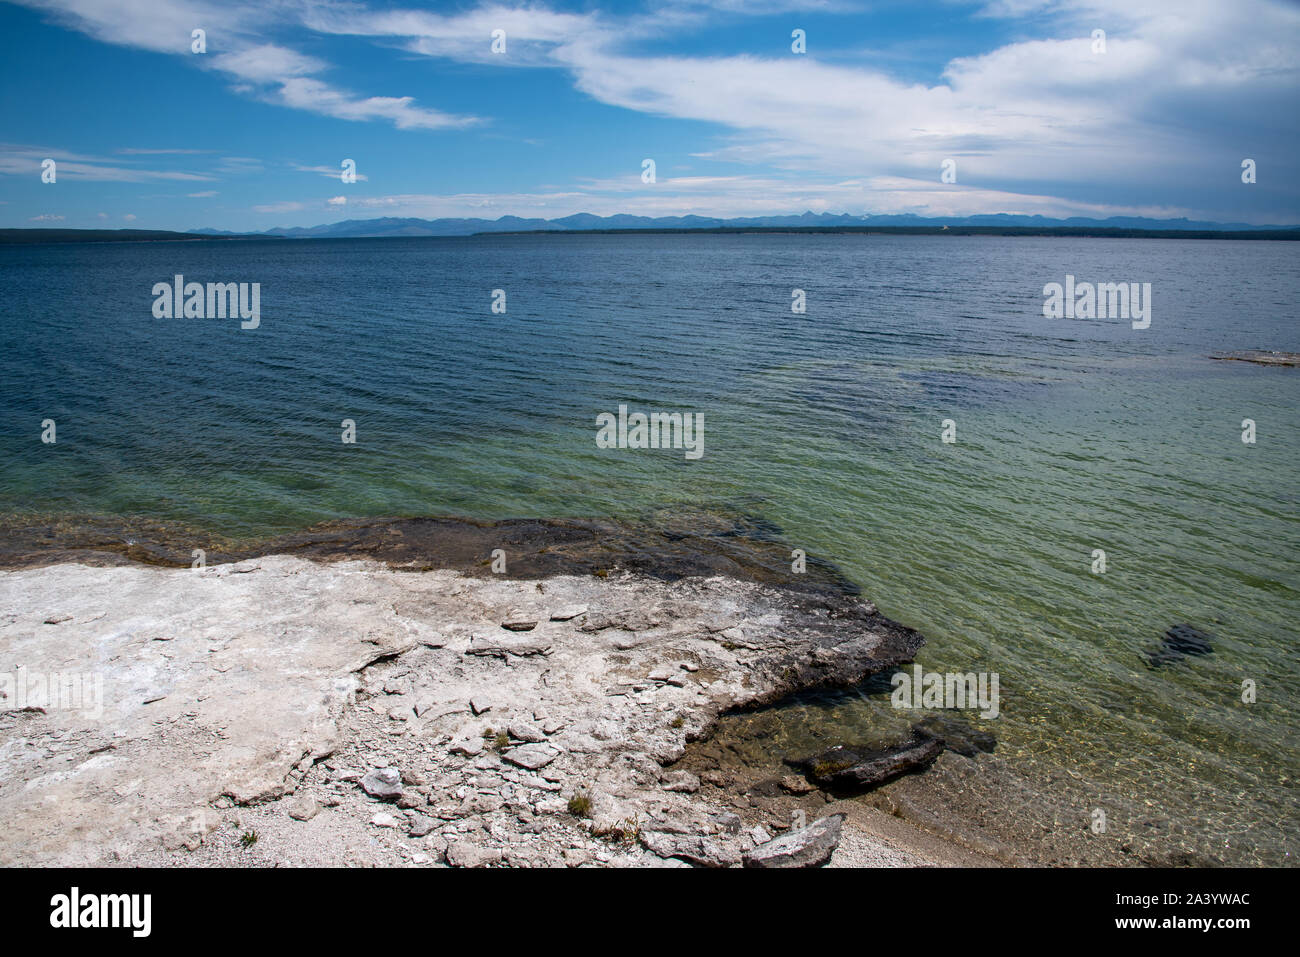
(392, 226)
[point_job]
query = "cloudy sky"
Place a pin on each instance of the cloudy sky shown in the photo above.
(1036, 114)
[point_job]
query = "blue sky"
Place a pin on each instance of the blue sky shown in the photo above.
(251, 134)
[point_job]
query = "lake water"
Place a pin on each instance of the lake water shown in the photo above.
(1072, 435)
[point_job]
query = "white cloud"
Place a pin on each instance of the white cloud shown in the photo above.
(238, 49)
(734, 196)
(266, 63)
(163, 152)
(239, 165)
(306, 93)
(287, 206)
(26, 160)
(1034, 111)
(329, 172)
(532, 33)
(1040, 114)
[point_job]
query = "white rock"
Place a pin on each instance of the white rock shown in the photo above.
(303, 808)
(383, 783)
(532, 756)
(526, 733)
(518, 620)
(568, 612)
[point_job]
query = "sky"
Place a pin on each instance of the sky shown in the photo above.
(1037, 112)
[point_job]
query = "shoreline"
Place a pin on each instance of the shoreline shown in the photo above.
(26, 236)
(691, 641)
(954, 810)
(667, 547)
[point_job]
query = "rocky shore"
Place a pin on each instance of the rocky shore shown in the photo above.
(286, 710)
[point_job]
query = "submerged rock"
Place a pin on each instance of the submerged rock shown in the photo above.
(857, 768)
(1179, 642)
(1188, 640)
(811, 846)
(956, 734)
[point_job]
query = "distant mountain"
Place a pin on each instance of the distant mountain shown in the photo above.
(391, 226)
(1001, 223)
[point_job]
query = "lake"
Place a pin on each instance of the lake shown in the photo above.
(1072, 435)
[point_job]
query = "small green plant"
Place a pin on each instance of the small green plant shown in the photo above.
(627, 831)
(489, 733)
(826, 769)
(580, 804)
(677, 722)
(502, 741)
(248, 838)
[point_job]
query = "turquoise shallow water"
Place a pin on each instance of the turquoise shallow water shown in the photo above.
(1072, 435)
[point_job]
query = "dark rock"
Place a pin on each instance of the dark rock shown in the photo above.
(1188, 640)
(956, 735)
(855, 768)
(1178, 642)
